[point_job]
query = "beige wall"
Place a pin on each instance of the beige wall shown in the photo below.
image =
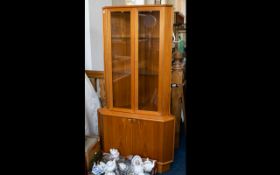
(180, 5)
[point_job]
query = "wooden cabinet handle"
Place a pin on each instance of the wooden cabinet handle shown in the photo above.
(129, 120)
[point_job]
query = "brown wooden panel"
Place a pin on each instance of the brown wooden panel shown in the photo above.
(163, 167)
(94, 74)
(100, 127)
(166, 61)
(107, 53)
(117, 134)
(102, 92)
(178, 18)
(145, 139)
(149, 117)
(176, 105)
(168, 142)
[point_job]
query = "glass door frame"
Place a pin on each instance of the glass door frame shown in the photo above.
(134, 58)
(161, 44)
(109, 61)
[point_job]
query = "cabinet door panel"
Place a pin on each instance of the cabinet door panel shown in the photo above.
(117, 134)
(146, 139)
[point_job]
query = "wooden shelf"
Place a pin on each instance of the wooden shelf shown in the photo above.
(118, 58)
(120, 37)
(159, 118)
(118, 76)
(148, 37)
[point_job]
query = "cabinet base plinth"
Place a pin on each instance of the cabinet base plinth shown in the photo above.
(161, 168)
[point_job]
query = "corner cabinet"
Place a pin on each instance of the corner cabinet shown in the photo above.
(137, 59)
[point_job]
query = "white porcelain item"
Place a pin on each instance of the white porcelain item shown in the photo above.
(148, 165)
(110, 165)
(137, 165)
(136, 161)
(114, 153)
(110, 173)
(138, 169)
(102, 165)
(122, 166)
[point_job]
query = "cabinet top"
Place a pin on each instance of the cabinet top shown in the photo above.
(136, 6)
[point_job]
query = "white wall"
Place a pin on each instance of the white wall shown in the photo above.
(183, 9)
(118, 2)
(88, 58)
(150, 1)
(95, 35)
(128, 2)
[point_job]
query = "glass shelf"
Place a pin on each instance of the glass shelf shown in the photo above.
(120, 37)
(118, 58)
(119, 76)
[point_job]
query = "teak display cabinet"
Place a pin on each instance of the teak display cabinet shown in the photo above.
(137, 59)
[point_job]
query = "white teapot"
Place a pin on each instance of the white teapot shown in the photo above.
(148, 165)
(137, 165)
(114, 153)
(110, 165)
(138, 170)
(136, 161)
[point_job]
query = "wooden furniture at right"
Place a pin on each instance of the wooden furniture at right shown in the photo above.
(177, 101)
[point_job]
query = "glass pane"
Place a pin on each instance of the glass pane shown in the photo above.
(121, 73)
(148, 60)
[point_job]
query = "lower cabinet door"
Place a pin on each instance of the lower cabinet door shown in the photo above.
(117, 134)
(146, 138)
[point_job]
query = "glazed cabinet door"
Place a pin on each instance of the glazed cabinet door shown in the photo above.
(146, 138)
(117, 133)
(147, 59)
(120, 58)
